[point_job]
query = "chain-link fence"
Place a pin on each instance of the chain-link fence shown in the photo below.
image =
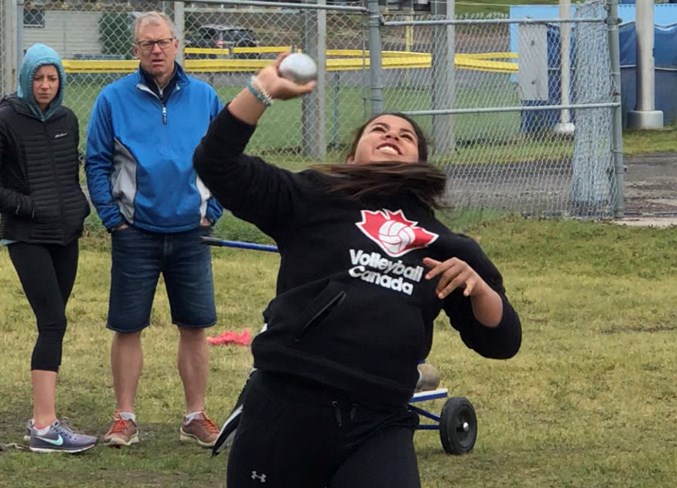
(3, 61)
(524, 121)
(7, 42)
(519, 113)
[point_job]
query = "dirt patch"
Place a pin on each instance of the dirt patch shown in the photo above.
(651, 185)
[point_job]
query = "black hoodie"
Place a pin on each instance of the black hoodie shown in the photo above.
(353, 310)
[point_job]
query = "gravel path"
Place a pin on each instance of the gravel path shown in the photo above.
(651, 189)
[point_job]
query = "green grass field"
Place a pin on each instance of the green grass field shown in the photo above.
(588, 402)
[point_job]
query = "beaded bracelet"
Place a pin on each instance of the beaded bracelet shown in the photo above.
(254, 86)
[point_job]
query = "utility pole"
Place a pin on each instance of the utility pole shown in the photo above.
(645, 115)
(565, 126)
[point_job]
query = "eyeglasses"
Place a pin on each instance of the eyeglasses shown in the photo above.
(148, 46)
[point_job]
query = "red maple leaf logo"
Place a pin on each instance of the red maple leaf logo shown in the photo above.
(394, 232)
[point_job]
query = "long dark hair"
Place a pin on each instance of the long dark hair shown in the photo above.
(423, 180)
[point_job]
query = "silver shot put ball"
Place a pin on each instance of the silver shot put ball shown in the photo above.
(299, 68)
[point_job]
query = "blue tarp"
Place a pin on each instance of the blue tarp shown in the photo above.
(665, 54)
(665, 74)
(664, 13)
(665, 45)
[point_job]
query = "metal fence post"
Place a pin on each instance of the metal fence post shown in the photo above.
(20, 5)
(314, 105)
(617, 120)
(179, 22)
(645, 115)
(565, 125)
(375, 68)
(443, 78)
(9, 71)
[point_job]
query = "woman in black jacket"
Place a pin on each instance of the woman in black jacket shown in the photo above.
(43, 210)
(365, 270)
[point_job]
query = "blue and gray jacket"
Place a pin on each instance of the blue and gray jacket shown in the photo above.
(139, 161)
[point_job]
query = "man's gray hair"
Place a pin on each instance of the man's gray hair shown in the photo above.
(152, 18)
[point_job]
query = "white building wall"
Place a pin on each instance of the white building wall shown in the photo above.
(67, 32)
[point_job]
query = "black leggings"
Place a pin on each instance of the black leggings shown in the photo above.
(47, 273)
(297, 435)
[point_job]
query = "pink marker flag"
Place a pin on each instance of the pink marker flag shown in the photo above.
(228, 337)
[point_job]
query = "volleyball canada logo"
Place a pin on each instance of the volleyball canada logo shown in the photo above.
(393, 232)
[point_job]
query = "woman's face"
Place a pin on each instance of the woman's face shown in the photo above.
(387, 138)
(45, 85)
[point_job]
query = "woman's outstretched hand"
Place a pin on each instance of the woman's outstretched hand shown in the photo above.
(455, 274)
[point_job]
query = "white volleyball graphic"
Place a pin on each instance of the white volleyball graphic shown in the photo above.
(395, 236)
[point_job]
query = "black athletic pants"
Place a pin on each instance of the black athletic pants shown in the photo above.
(292, 434)
(47, 273)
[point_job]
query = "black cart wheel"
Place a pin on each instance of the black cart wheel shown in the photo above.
(458, 426)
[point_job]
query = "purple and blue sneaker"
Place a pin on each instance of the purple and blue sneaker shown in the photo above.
(60, 438)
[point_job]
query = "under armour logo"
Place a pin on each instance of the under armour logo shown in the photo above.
(260, 477)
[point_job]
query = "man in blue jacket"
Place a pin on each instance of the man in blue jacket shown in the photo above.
(142, 133)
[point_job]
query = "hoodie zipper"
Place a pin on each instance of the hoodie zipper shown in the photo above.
(57, 177)
(334, 302)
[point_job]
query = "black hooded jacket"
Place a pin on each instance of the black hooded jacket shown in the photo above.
(353, 309)
(41, 200)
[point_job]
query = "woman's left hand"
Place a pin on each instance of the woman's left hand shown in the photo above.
(455, 273)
